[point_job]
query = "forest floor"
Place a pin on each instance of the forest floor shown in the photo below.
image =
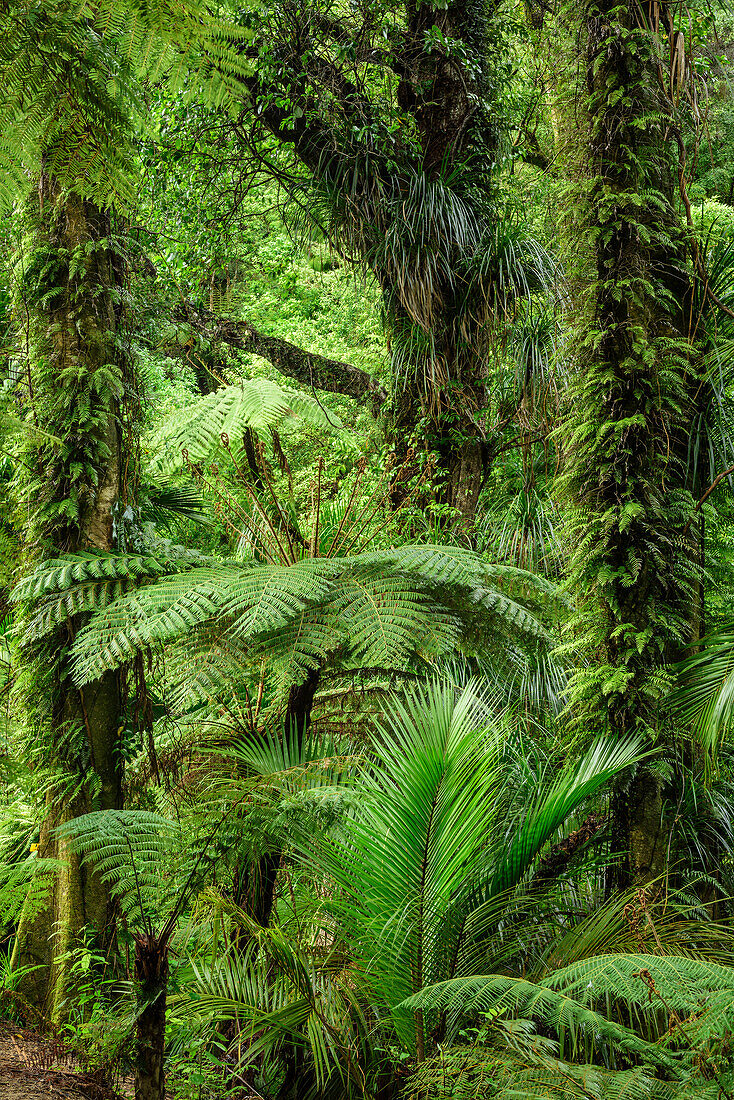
(33, 1066)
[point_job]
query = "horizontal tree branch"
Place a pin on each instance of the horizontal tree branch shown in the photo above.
(306, 367)
(558, 858)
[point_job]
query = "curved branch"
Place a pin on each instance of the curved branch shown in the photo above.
(306, 367)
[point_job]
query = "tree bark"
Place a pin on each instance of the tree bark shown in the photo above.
(307, 368)
(151, 976)
(439, 316)
(260, 887)
(630, 414)
(72, 312)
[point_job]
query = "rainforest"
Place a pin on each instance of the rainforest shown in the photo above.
(366, 549)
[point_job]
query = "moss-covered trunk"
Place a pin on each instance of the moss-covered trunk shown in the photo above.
(67, 293)
(630, 410)
(418, 211)
(441, 324)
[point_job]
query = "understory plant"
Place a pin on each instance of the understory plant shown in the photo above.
(433, 908)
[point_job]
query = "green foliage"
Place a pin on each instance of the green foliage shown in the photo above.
(441, 919)
(635, 558)
(25, 885)
(53, 57)
(203, 429)
(129, 849)
(431, 877)
(703, 694)
(73, 375)
(71, 86)
(429, 863)
(384, 608)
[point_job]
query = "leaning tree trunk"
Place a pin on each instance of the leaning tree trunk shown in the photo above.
(629, 412)
(68, 300)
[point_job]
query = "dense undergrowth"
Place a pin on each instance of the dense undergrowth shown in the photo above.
(366, 547)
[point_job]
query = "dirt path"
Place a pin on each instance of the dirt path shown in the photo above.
(32, 1067)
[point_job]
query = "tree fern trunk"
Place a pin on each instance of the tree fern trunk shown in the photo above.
(260, 890)
(151, 976)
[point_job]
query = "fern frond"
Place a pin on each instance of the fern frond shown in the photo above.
(71, 78)
(61, 588)
(130, 850)
(500, 995)
(195, 432)
(385, 609)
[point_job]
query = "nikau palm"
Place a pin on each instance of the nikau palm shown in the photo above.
(431, 889)
(427, 868)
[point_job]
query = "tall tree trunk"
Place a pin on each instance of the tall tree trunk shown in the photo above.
(444, 404)
(630, 409)
(70, 314)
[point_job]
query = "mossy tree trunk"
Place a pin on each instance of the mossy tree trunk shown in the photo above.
(630, 411)
(68, 304)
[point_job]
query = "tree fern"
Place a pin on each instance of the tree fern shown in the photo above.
(65, 587)
(386, 608)
(129, 850)
(483, 1071)
(196, 432)
(697, 995)
(71, 85)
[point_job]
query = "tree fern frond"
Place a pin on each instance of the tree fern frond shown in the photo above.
(198, 428)
(384, 609)
(684, 984)
(128, 849)
(500, 995)
(71, 77)
(90, 582)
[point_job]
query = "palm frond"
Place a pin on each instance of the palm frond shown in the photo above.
(704, 693)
